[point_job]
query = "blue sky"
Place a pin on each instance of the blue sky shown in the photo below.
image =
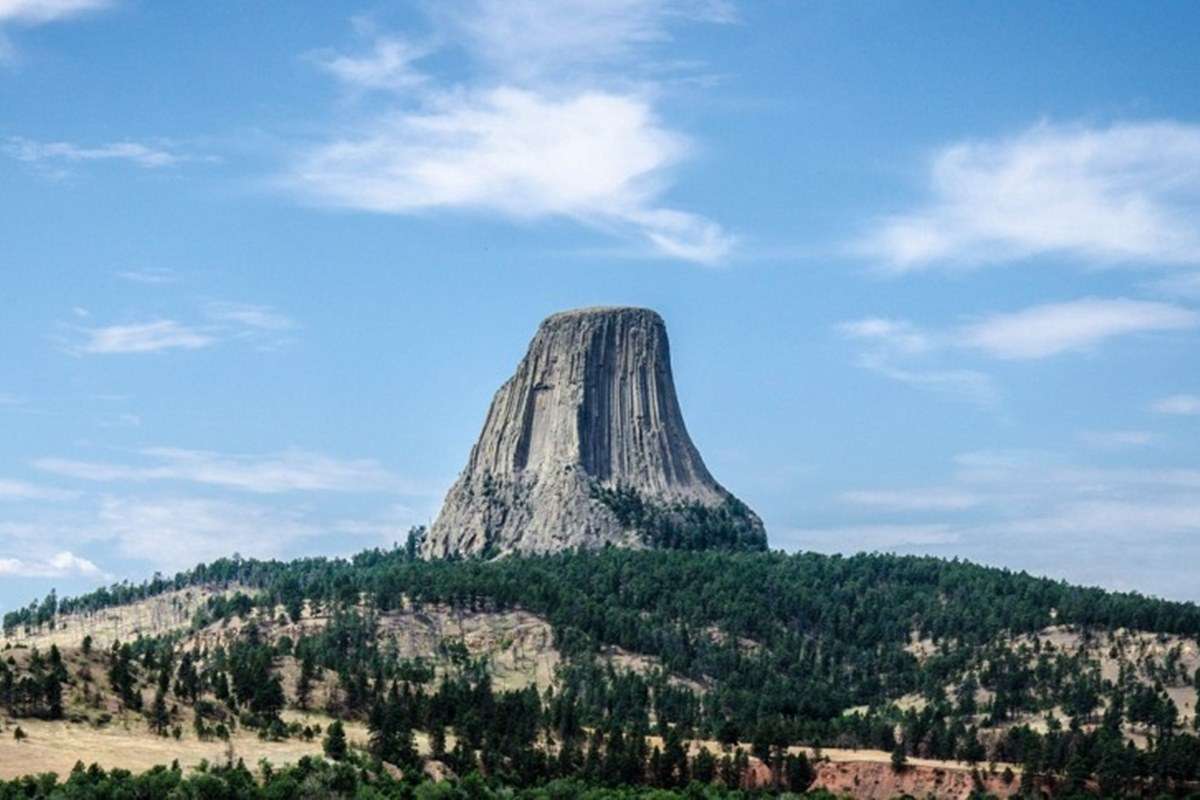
(931, 271)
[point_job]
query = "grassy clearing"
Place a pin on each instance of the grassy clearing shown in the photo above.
(130, 744)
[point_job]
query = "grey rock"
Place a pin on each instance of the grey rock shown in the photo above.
(585, 446)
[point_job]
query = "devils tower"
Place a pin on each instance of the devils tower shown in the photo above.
(585, 446)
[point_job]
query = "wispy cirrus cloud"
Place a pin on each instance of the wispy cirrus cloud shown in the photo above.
(1125, 193)
(897, 334)
(179, 532)
(260, 325)
(903, 351)
(1054, 328)
(154, 276)
(887, 537)
(21, 490)
(288, 471)
(900, 351)
(136, 153)
(256, 317)
(918, 499)
(142, 337)
(1113, 440)
(37, 12)
(29, 13)
(1121, 527)
(549, 125)
(530, 40)
(1178, 404)
(968, 385)
(389, 65)
(60, 565)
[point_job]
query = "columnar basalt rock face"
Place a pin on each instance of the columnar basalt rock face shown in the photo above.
(590, 411)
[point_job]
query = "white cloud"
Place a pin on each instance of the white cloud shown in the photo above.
(178, 533)
(1054, 328)
(1130, 521)
(263, 318)
(122, 420)
(59, 565)
(259, 325)
(534, 40)
(923, 499)
(20, 490)
(595, 157)
(1125, 193)
(150, 275)
(390, 65)
(1185, 285)
(289, 471)
(36, 12)
(895, 348)
(968, 385)
(895, 334)
(1182, 404)
(136, 153)
(144, 337)
(860, 538)
(1126, 527)
(899, 351)
(175, 532)
(383, 529)
(527, 136)
(1116, 439)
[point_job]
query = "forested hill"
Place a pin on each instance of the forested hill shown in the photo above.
(862, 599)
(919, 656)
(808, 634)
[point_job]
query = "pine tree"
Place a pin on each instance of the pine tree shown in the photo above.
(304, 685)
(437, 741)
(704, 766)
(52, 690)
(800, 773)
(335, 741)
(187, 684)
(160, 720)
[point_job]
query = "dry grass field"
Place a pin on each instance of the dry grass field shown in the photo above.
(130, 744)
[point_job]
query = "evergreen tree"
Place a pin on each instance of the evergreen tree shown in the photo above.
(334, 745)
(308, 671)
(160, 719)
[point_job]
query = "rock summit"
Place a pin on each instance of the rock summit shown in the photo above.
(585, 446)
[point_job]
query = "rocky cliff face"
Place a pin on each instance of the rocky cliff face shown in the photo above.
(585, 446)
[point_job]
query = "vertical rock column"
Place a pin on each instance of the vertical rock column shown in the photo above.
(592, 405)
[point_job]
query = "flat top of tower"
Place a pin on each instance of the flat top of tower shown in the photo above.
(601, 311)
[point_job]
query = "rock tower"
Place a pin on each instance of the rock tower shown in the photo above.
(585, 446)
